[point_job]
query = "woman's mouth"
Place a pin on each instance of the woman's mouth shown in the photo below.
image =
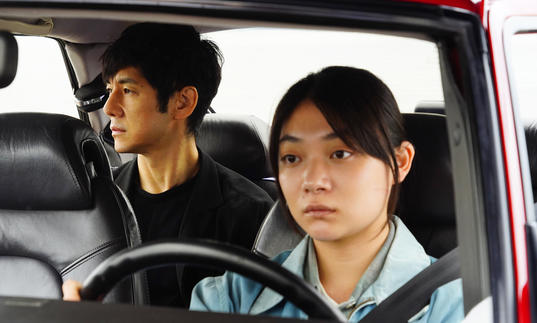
(318, 211)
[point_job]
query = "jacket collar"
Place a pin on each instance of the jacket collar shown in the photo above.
(123, 175)
(405, 259)
(268, 298)
(206, 193)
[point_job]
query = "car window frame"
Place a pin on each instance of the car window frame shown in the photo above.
(464, 123)
(515, 25)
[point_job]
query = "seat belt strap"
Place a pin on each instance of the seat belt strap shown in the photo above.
(413, 296)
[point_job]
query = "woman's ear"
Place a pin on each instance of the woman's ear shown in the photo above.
(183, 102)
(404, 154)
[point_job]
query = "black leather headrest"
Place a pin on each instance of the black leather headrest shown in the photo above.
(47, 160)
(427, 193)
(237, 142)
(92, 96)
(437, 107)
(9, 56)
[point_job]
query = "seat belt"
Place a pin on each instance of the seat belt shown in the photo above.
(413, 296)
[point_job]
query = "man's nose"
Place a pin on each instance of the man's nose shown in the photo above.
(112, 107)
(316, 177)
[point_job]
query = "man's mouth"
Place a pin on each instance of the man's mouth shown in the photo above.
(116, 130)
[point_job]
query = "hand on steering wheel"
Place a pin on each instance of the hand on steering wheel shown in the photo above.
(209, 254)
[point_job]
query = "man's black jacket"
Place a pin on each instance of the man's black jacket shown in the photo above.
(224, 206)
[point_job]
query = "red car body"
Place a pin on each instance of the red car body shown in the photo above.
(499, 21)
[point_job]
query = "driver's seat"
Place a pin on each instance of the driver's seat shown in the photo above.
(426, 204)
(60, 212)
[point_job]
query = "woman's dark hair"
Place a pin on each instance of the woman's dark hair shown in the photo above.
(357, 105)
(170, 57)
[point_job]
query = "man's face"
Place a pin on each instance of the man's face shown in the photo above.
(136, 123)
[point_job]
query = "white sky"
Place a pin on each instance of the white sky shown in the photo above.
(257, 72)
(524, 73)
(41, 83)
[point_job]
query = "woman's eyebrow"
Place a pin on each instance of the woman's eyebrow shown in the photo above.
(330, 136)
(289, 138)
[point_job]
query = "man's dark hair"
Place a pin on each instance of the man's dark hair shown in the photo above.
(170, 57)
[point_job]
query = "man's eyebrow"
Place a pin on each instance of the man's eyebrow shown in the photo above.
(126, 80)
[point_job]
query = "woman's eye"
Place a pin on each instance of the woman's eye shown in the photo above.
(108, 90)
(289, 159)
(340, 154)
(126, 91)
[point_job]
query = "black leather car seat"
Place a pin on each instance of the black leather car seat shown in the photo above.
(426, 202)
(60, 212)
(240, 143)
(427, 199)
(9, 57)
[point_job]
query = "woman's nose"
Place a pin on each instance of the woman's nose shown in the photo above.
(316, 177)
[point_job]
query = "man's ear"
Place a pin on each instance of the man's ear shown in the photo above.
(183, 102)
(404, 154)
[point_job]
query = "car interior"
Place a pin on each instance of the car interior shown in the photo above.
(68, 193)
(58, 183)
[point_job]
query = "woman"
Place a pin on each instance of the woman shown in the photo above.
(338, 149)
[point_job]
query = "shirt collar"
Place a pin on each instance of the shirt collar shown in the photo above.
(405, 258)
(311, 273)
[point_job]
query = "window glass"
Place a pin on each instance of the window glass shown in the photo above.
(523, 73)
(260, 64)
(41, 83)
(521, 49)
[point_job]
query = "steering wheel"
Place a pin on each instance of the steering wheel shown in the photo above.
(209, 254)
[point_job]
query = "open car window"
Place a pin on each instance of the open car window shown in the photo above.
(260, 64)
(41, 83)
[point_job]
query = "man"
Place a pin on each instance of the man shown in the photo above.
(161, 80)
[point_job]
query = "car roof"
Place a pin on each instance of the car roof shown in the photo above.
(69, 21)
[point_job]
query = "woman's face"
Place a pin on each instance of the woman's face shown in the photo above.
(332, 191)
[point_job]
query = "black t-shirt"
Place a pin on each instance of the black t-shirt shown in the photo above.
(222, 206)
(159, 217)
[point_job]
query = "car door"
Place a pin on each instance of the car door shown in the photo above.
(512, 31)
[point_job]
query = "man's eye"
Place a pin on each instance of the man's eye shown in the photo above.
(340, 154)
(108, 90)
(289, 159)
(126, 91)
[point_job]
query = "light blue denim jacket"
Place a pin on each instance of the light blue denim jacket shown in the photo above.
(233, 293)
